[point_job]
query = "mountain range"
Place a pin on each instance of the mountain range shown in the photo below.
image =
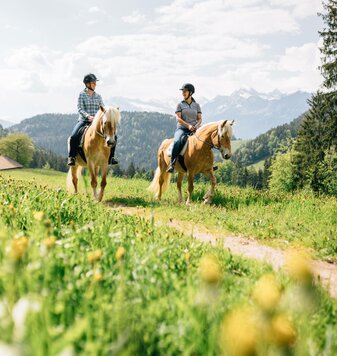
(254, 112)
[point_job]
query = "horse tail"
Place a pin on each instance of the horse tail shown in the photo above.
(70, 186)
(161, 179)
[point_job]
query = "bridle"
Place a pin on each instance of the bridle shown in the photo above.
(211, 144)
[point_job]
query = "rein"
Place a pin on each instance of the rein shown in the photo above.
(209, 144)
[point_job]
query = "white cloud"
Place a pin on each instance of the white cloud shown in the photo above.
(134, 18)
(95, 9)
(300, 8)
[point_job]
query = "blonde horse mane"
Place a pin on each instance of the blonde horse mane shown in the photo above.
(227, 128)
(112, 114)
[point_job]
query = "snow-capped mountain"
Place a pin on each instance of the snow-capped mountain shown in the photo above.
(5, 123)
(254, 112)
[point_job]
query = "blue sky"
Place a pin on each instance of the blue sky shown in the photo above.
(147, 49)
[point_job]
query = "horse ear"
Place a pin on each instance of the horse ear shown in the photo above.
(224, 123)
(232, 122)
(118, 108)
(102, 108)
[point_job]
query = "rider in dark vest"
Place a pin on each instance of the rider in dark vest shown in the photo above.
(88, 104)
(188, 116)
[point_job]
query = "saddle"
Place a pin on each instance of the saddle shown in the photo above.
(183, 145)
(82, 133)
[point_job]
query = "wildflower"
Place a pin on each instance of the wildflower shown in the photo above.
(266, 292)
(94, 256)
(210, 271)
(238, 334)
(49, 242)
(120, 253)
(187, 256)
(298, 266)
(38, 215)
(18, 247)
(97, 276)
(282, 332)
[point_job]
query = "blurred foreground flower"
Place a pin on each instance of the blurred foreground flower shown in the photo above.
(239, 334)
(19, 314)
(49, 242)
(210, 270)
(94, 256)
(18, 247)
(266, 292)
(38, 215)
(120, 253)
(282, 331)
(298, 265)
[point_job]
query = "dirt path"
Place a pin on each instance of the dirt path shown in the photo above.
(325, 272)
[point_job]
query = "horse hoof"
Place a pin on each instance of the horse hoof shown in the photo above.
(207, 202)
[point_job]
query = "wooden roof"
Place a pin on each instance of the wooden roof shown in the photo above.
(7, 163)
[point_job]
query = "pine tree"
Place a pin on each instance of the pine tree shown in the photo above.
(329, 46)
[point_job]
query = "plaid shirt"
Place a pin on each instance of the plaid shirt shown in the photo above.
(88, 105)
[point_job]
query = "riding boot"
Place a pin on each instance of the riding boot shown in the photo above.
(112, 159)
(170, 168)
(72, 151)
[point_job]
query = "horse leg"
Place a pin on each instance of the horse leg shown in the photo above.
(190, 189)
(209, 195)
(104, 171)
(179, 184)
(93, 177)
(74, 177)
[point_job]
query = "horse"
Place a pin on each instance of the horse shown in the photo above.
(198, 158)
(98, 139)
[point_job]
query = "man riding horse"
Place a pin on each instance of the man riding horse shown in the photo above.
(88, 105)
(188, 116)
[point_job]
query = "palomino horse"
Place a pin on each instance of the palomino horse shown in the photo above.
(98, 139)
(198, 158)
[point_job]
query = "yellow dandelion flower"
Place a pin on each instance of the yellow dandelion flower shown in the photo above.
(239, 334)
(18, 247)
(49, 242)
(266, 292)
(298, 266)
(38, 215)
(120, 253)
(282, 331)
(210, 271)
(98, 277)
(94, 256)
(187, 256)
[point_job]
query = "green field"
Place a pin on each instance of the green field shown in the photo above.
(79, 277)
(282, 220)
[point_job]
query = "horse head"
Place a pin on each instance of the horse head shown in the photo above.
(225, 133)
(109, 118)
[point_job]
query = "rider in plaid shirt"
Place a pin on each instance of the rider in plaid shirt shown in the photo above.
(88, 104)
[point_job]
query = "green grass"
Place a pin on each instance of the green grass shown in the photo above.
(157, 299)
(279, 219)
(257, 165)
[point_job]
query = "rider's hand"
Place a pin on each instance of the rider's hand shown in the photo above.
(90, 118)
(191, 128)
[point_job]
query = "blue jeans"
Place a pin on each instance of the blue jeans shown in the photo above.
(177, 146)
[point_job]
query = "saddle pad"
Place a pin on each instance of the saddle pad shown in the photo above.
(82, 133)
(181, 153)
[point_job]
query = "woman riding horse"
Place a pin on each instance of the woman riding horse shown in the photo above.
(88, 104)
(188, 116)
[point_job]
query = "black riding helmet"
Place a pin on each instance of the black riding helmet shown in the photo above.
(90, 78)
(189, 87)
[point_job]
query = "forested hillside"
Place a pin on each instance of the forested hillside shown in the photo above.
(267, 144)
(139, 135)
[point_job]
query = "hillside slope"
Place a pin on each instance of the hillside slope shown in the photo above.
(265, 145)
(139, 135)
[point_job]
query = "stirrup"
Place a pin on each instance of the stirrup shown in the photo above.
(71, 161)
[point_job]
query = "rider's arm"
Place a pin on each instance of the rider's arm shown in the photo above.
(80, 107)
(181, 121)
